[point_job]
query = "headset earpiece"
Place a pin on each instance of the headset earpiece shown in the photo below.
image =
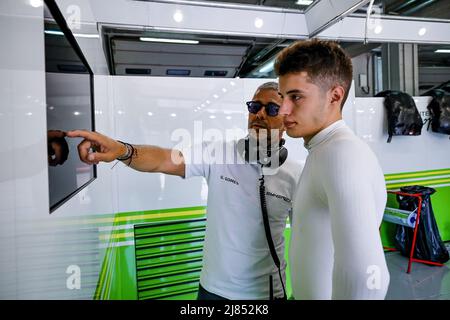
(244, 150)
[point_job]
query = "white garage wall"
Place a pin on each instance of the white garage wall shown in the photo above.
(171, 103)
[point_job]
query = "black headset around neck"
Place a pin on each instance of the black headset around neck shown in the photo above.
(244, 150)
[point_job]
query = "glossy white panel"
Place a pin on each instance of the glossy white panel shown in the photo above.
(93, 49)
(408, 31)
(220, 19)
(36, 248)
(405, 153)
(239, 21)
(8, 263)
(348, 109)
(321, 12)
(295, 25)
(148, 111)
(350, 28)
(23, 170)
(161, 15)
(107, 11)
(387, 29)
(23, 110)
(76, 11)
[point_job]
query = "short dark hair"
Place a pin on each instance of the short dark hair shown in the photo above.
(325, 62)
(268, 86)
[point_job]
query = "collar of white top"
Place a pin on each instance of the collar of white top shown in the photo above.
(324, 134)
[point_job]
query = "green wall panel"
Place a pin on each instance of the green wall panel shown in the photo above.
(169, 257)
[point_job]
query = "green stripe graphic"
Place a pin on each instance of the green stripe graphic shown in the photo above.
(417, 174)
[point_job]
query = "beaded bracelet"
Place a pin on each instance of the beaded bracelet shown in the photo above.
(128, 154)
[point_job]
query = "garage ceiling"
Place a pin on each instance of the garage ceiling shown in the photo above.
(286, 4)
(213, 56)
(230, 56)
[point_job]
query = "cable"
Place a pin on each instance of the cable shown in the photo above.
(276, 260)
(369, 12)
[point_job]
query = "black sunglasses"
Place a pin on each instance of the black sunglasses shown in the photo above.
(271, 108)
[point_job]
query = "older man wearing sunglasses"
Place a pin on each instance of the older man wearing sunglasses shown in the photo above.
(249, 199)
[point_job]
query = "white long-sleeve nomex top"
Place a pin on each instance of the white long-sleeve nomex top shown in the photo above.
(335, 249)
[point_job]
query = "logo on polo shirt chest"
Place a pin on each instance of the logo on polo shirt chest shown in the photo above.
(278, 196)
(228, 179)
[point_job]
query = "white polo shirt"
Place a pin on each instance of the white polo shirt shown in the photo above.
(236, 257)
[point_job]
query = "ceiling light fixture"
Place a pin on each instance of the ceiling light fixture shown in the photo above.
(304, 2)
(422, 31)
(53, 32)
(86, 35)
(259, 23)
(378, 29)
(78, 35)
(178, 16)
(147, 39)
(36, 3)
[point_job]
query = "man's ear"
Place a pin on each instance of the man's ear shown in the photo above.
(337, 95)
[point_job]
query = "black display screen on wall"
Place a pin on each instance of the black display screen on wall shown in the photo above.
(70, 105)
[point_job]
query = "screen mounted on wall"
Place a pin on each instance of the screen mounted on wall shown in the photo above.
(69, 93)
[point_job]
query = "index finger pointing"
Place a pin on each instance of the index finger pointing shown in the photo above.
(81, 134)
